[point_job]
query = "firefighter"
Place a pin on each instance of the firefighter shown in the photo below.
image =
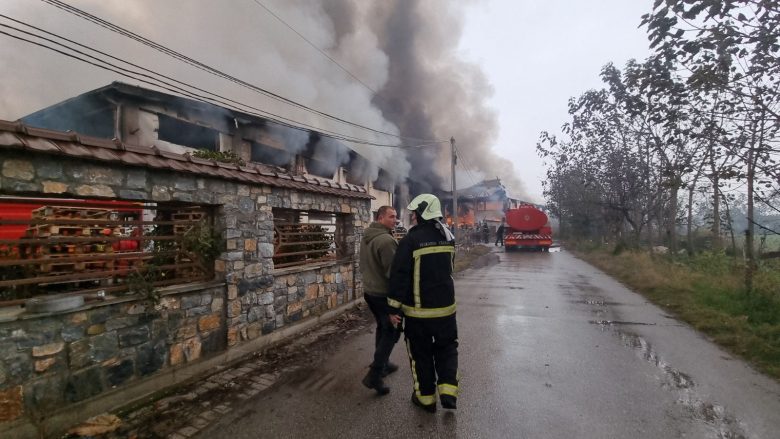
(500, 233)
(422, 291)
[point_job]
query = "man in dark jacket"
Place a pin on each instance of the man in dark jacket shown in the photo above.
(377, 249)
(500, 233)
(422, 290)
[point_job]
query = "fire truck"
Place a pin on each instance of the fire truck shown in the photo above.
(527, 227)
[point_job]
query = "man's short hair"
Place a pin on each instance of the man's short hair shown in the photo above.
(383, 210)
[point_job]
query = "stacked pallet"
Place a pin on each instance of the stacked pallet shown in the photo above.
(65, 256)
(189, 218)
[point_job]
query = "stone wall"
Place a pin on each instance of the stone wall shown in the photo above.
(50, 361)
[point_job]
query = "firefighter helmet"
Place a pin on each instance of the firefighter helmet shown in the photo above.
(427, 206)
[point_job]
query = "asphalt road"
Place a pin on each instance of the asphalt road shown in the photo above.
(550, 347)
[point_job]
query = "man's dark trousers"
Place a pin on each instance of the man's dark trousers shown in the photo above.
(386, 334)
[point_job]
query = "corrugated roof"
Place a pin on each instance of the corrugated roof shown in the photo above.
(16, 135)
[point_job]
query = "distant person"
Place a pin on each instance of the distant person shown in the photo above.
(377, 250)
(500, 233)
(485, 232)
(423, 292)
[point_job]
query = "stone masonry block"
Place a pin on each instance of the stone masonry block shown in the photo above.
(176, 355)
(11, 403)
(187, 331)
(209, 322)
(292, 308)
(133, 336)
(97, 190)
(19, 169)
(48, 349)
(44, 365)
(312, 290)
(192, 349)
(54, 187)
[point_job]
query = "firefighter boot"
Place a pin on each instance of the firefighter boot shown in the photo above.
(449, 402)
(430, 408)
(373, 380)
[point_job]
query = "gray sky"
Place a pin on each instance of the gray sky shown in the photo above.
(534, 54)
(538, 54)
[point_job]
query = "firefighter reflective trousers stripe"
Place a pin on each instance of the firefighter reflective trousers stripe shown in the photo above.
(432, 345)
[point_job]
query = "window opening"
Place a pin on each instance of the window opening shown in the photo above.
(80, 246)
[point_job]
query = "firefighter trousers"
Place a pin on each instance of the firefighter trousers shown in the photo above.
(432, 345)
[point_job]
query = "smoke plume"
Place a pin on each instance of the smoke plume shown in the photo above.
(404, 50)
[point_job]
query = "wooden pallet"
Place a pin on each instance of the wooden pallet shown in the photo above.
(48, 230)
(186, 215)
(51, 212)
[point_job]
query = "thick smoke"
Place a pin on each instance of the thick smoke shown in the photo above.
(406, 50)
(430, 92)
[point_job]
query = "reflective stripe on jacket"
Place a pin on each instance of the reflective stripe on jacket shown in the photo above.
(421, 284)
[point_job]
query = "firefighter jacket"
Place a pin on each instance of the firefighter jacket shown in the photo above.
(421, 284)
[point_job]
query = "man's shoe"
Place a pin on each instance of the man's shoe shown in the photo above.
(390, 368)
(449, 402)
(428, 408)
(373, 381)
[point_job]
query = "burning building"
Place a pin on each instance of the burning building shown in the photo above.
(144, 117)
(484, 202)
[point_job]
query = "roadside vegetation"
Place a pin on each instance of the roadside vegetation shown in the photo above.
(470, 257)
(675, 162)
(707, 291)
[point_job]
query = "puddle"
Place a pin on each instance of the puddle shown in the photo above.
(596, 302)
(724, 425)
(617, 322)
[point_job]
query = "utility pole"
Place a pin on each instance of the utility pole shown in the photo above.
(454, 191)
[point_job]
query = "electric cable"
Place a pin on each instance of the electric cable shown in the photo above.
(197, 64)
(763, 227)
(315, 46)
(466, 167)
(223, 101)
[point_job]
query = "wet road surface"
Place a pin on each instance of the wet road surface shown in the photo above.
(549, 348)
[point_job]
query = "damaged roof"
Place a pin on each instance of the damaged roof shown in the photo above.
(16, 135)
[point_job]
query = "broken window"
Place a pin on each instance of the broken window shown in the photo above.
(269, 155)
(307, 237)
(187, 134)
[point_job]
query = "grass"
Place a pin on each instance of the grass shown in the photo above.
(707, 292)
(465, 259)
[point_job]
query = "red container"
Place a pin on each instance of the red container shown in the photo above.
(526, 218)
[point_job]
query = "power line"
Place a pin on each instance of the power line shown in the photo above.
(315, 47)
(762, 227)
(152, 80)
(766, 203)
(197, 64)
(466, 167)
(468, 173)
